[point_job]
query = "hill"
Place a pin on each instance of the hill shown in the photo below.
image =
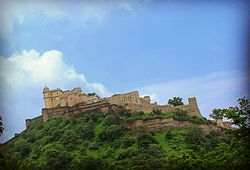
(98, 141)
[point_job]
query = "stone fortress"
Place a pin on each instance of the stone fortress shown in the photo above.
(75, 102)
(131, 101)
(58, 98)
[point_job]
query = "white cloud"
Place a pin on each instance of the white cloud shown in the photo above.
(80, 13)
(30, 68)
(214, 90)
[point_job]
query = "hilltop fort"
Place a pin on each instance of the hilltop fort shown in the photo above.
(57, 99)
(74, 102)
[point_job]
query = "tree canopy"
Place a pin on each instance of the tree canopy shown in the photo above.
(1, 126)
(176, 101)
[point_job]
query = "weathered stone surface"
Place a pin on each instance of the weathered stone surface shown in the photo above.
(29, 121)
(57, 97)
(131, 101)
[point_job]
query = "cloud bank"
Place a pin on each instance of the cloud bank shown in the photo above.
(24, 75)
(30, 68)
(214, 90)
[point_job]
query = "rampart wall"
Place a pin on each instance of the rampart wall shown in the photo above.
(29, 121)
(80, 108)
(191, 107)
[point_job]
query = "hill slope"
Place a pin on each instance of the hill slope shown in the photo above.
(97, 141)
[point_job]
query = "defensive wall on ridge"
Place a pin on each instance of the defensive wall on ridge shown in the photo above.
(74, 102)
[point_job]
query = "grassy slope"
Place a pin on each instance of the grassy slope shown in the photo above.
(69, 141)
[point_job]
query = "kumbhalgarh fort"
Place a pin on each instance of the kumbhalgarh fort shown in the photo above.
(75, 102)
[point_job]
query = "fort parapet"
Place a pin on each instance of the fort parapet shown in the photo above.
(73, 102)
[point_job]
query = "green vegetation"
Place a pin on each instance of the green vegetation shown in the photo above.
(176, 101)
(1, 126)
(97, 141)
(158, 114)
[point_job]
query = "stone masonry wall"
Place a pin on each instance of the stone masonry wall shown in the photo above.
(29, 121)
(80, 108)
(191, 107)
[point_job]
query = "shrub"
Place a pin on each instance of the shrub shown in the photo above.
(128, 141)
(110, 133)
(194, 137)
(85, 132)
(176, 101)
(169, 135)
(157, 112)
(31, 138)
(110, 120)
(145, 138)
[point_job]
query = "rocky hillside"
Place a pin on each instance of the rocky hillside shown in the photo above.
(97, 141)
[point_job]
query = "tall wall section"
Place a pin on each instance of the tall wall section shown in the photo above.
(120, 99)
(81, 108)
(191, 107)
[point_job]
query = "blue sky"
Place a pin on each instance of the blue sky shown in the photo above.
(162, 49)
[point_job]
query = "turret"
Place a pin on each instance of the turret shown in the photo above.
(45, 89)
(46, 95)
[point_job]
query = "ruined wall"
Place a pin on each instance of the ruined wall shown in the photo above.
(28, 122)
(59, 98)
(89, 99)
(145, 100)
(78, 109)
(191, 107)
(120, 99)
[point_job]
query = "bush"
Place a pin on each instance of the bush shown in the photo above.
(22, 148)
(89, 163)
(157, 112)
(70, 139)
(169, 135)
(110, 120)
(85, 132)
(181, 116)
(57, 159)
(145, 138)
(198, 119)
(110, 133)
(195, 137)
(31, 138)
(128, 141)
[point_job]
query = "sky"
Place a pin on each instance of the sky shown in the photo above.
(160, 48)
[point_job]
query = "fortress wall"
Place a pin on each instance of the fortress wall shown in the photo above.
(120, 99)
(149, 108)
(29, 121)
(52, 98)
(76, 110)
(191, 107)
(89, 99)
(73, 99)
(145, 100)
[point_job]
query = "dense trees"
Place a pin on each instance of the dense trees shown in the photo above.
(239, 116)
(1, 126)
(97, 141)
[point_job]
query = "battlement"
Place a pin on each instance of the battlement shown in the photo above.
(58, 102)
